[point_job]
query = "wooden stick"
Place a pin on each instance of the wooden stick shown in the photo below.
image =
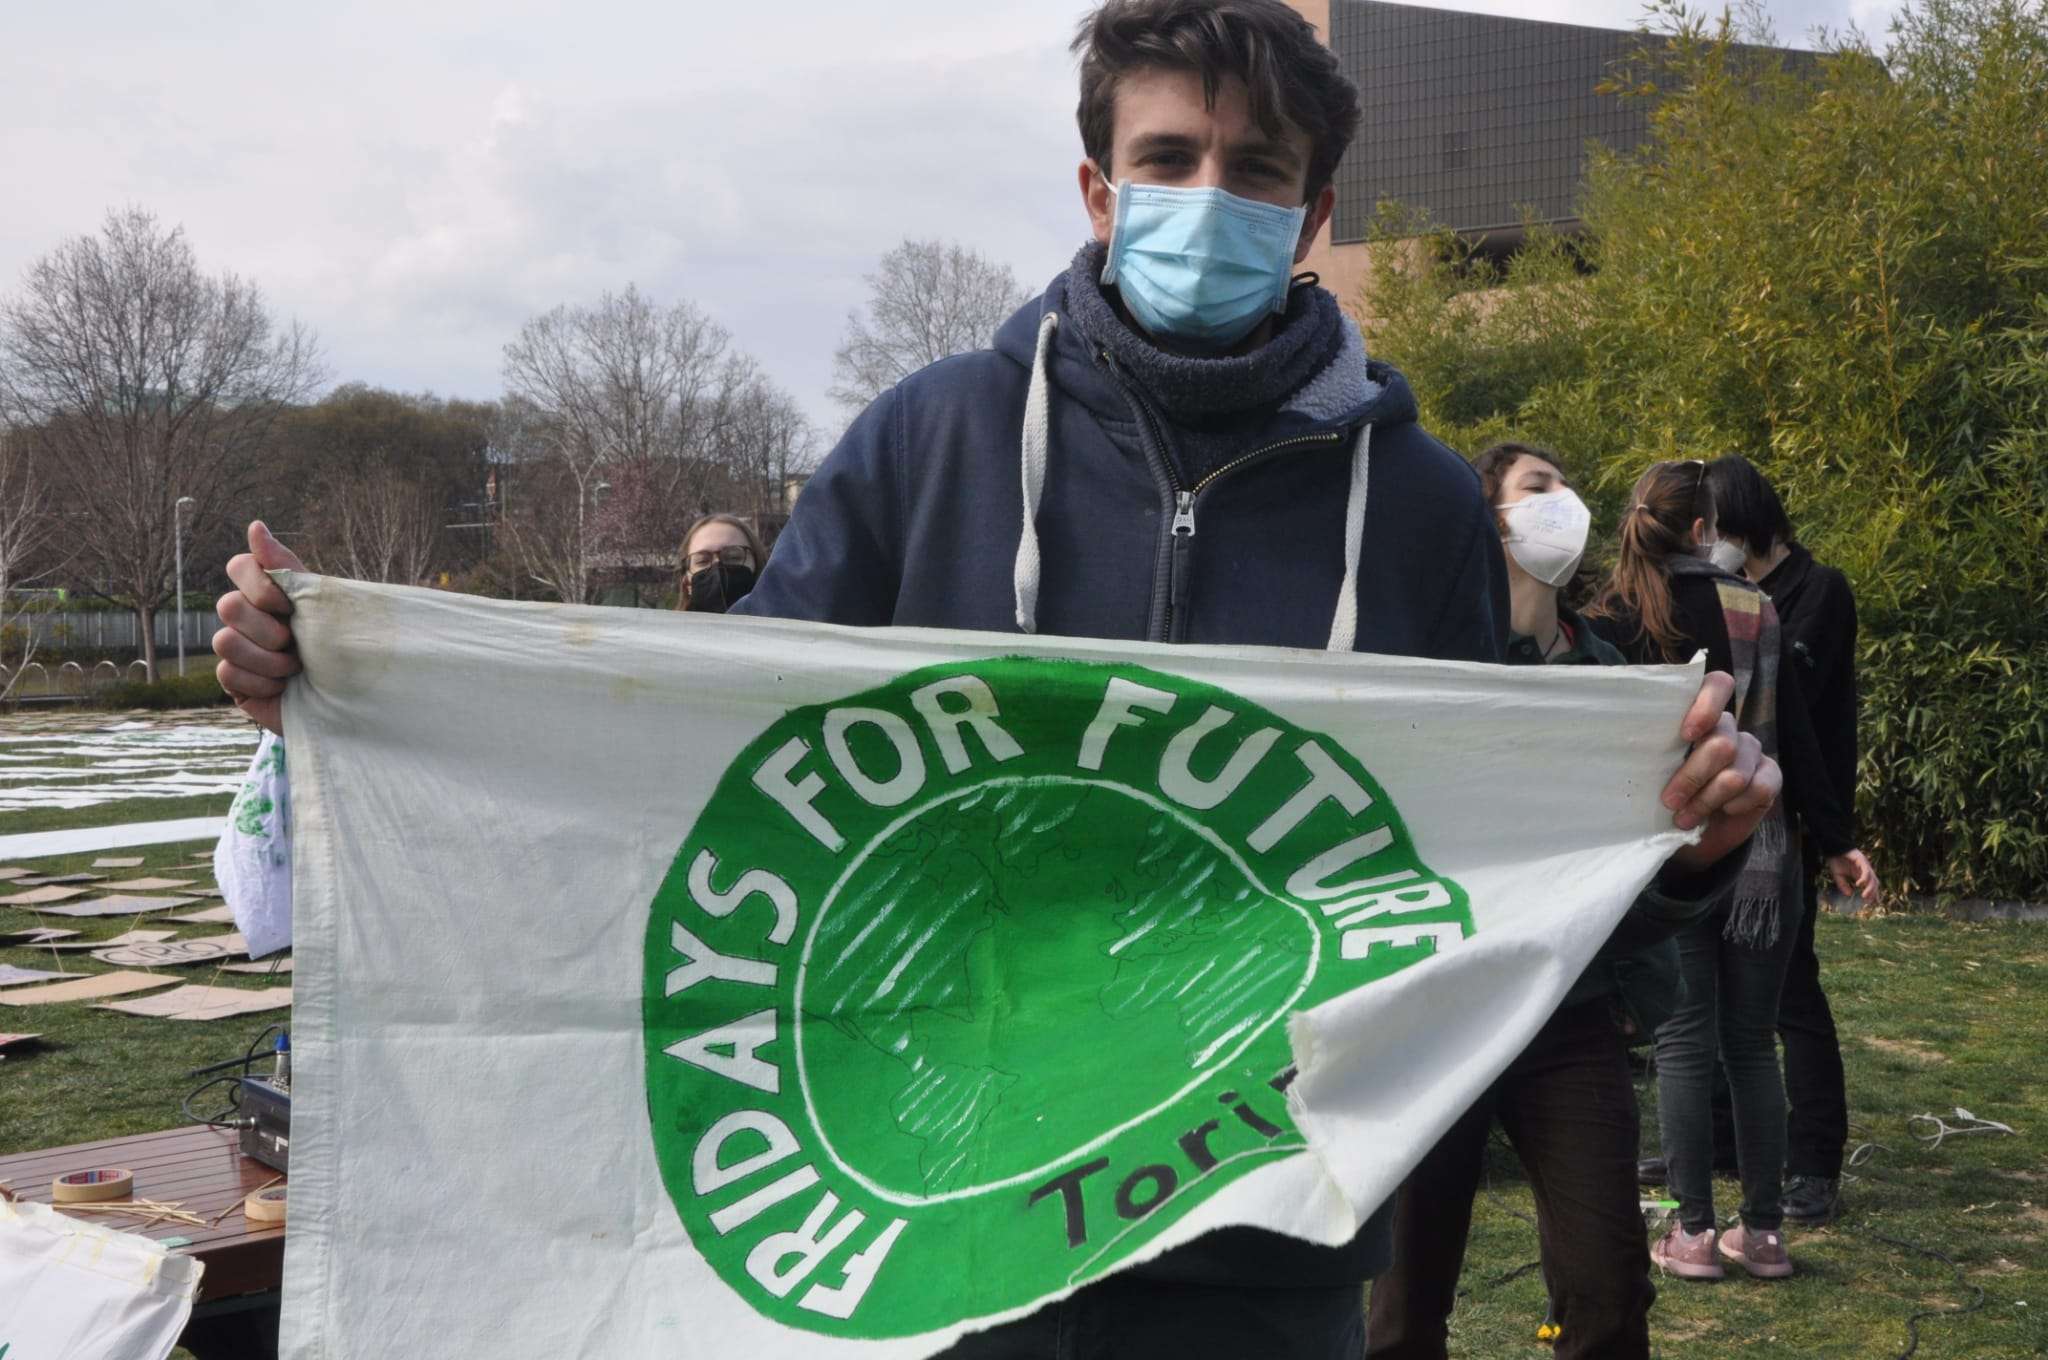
(243, 1200)
(140, 1208)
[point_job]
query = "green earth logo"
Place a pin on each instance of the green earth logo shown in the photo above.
(963, 989)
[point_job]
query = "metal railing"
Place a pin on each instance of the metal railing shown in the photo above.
(116, 630)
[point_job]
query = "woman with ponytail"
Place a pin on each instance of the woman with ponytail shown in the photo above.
(1567, 1102)
(1665, 602)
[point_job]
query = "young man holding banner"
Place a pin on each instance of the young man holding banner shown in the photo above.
(1176, 442)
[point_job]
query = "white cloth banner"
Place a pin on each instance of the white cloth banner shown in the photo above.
(77, 1290)
(676, 985)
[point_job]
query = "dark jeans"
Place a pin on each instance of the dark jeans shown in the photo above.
(1817, 1124)
(1134, 1318)
(1728, 1005)
(1569, 1107)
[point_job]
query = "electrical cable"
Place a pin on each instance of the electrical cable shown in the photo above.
(228, 1118)
(1943, 1130)
(1913, 1321)
(217, 1121)
(1863, 1154)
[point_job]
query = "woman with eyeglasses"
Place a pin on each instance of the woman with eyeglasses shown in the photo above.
(1665, 601)
(722, 555)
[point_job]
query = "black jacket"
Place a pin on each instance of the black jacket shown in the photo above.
(1810, 791)
(1817, 611)
(1640, 955)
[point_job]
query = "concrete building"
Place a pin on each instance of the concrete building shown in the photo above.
(1479, 121)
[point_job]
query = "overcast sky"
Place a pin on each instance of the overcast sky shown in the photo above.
(413, 181)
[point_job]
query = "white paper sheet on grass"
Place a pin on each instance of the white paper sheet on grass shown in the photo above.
(486, 797)
(11, 976)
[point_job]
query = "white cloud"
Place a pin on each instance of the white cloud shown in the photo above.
(414, 181)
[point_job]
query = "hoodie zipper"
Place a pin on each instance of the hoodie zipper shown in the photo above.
(1169, 607)
(1180, 566)
(1167, 566)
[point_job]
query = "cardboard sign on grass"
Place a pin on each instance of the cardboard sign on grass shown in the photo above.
(204, 1003)
(83, 989)
(37, 897)
(172, 953)
(916, 978)
(125, 937)
(212, 916)
(119, 905)
(35, 935)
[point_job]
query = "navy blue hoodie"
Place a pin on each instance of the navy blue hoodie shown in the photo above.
(916, 519)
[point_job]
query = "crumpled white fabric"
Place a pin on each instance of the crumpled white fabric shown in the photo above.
(82, 1291)
(253, 861)
(489, 795)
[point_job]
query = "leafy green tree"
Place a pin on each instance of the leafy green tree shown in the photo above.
(1840, 269)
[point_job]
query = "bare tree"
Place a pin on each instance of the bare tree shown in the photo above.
(623, 422)
(627, 387)
(25, 527)
(143, 381)
(926, 301)
(770, 441)
(386, 525)
(544, 501)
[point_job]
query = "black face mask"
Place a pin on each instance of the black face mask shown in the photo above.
(719, 587)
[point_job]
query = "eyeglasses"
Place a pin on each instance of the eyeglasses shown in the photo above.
(737, 555)
(1699, 480)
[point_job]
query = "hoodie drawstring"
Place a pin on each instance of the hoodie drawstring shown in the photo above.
(1036, 435)
(1344, 627)
(1036, 439)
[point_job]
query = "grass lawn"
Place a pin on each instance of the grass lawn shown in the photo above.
(1933, 1014)
(117, 813)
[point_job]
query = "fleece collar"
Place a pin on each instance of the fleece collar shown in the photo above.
(1313, 364)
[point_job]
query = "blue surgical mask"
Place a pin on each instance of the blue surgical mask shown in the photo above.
(1200, 265)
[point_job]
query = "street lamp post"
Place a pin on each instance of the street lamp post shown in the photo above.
(179, 552)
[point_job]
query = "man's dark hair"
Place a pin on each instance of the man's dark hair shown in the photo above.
(1749, 506)
(1290, 75)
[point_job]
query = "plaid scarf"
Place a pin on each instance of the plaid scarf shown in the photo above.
(1769, 874)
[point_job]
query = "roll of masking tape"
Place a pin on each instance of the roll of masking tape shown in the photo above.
(90, 1187)
(265, 1206)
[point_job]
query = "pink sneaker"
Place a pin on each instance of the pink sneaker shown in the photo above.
(1690, 1256)
(1762, 1254)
